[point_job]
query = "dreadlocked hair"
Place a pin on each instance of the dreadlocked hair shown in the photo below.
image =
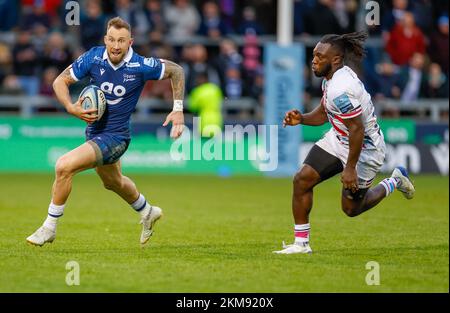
(350, 45)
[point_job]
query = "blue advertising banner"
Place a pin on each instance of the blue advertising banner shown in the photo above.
(283, 72)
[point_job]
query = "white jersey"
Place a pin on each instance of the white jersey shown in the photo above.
(344, 97)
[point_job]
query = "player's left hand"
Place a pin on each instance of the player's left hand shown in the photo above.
(177, 119)
(349, 179)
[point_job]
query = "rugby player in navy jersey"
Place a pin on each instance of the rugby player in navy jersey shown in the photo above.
(121, 74)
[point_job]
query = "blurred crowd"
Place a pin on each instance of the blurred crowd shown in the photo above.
(411, 62)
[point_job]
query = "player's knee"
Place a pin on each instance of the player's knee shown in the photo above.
(302, 181)
(350, 211)
(63, 167)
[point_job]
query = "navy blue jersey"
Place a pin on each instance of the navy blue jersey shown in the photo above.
(121, 84)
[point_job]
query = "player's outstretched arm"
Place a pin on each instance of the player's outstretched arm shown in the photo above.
(176, 74)
(61, 88)
(315, 118)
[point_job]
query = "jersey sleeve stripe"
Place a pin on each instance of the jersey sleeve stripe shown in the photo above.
(73, 74)
(163, 69)
(351, 114)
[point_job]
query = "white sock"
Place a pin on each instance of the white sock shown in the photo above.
(301, 232)
(389, 184)
(54, 212)
(140, 205)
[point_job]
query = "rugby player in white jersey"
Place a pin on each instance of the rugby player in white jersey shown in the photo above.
(354, 146)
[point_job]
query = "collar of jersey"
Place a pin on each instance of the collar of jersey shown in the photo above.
(126, 59)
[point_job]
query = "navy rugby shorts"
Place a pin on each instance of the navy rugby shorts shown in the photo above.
(108, 147)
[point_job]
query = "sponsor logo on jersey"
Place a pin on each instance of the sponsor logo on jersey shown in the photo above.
(117, 90)
(128, 78)
(133, 64)
(102, 71)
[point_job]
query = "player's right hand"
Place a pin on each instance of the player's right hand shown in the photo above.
(292, 118)
(89, 116)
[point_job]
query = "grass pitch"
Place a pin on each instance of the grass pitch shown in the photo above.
(218, 234)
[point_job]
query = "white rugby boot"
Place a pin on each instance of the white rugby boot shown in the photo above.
(405, 185)
(295, 248)
(148, 222)
(41, 236)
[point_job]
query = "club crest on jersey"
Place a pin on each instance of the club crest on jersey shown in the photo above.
(150, 62)
(117, 90)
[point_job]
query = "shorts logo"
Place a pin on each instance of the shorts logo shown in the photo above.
(110, 89)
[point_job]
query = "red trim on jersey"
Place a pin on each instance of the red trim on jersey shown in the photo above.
(340, 131)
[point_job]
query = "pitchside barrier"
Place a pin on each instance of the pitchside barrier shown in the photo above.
(34, 145)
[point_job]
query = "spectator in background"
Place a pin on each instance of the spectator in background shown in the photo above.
(249, 23)
(321, 19)
(5, 61)
(385, 80)
(56, 54)
(134, 16)
(26, 62)
(438, 49)
(436, 82)
(423, 14)
(48, 77)
(228, 9)
(199, 64)
(206, 99)
(37, 17)
(212, 25)
(182, 19)
(345, 12)
(155, 17)
(11, 86)
(92, 26)
(251, 54)
(233, 82)
(9, 14)
(393, 16)
(257, 89)
(161, 89)
(301, 9)
(405, 40)
(228, 57)
(411, 80)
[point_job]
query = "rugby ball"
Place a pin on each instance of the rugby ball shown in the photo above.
(94, 98)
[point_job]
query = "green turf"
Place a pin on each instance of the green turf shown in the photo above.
(218, 234)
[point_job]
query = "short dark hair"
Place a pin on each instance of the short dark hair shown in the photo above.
(118, 23)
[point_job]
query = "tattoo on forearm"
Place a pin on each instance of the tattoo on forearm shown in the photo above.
(176, 74)
(66, 77)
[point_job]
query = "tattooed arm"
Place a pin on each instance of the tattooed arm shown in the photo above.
(176, 74)
(61, 88)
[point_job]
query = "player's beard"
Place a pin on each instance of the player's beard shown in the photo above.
(324, 72)
(116, 58)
